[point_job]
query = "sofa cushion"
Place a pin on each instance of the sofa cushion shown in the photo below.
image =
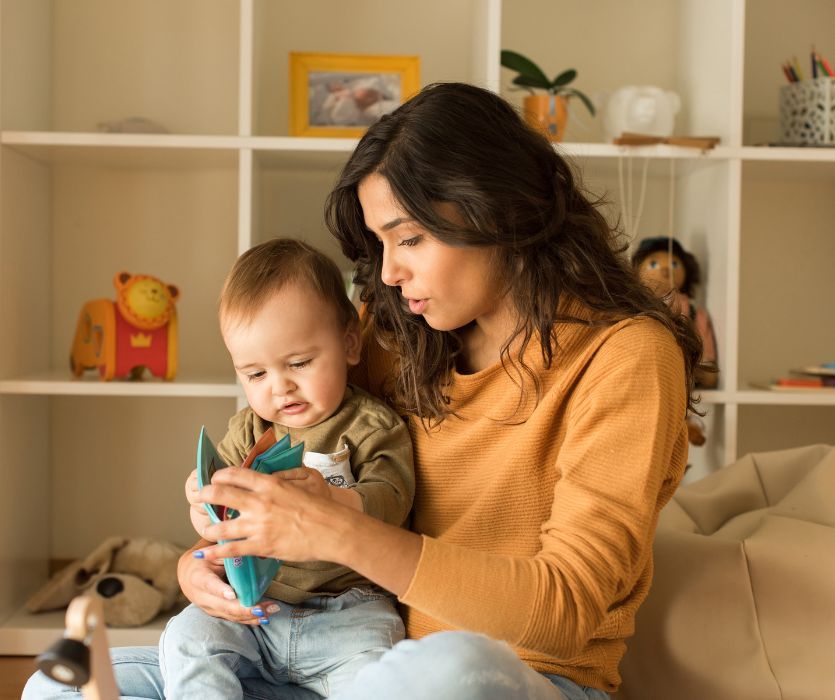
(742, 604)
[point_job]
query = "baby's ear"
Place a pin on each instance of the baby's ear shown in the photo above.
(353, 343)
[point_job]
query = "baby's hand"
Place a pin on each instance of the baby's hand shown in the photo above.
(196, 512)
(314, 483)
(308, 479)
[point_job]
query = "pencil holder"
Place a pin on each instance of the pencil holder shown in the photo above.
(807, 112)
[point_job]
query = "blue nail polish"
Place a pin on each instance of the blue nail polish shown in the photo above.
(263, 621)
(198, 554)
(257, 612)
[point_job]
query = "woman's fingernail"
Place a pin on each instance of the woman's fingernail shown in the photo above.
(199, 554)
(272, 608)
(257, 612)
(229, 595)
(263, 621)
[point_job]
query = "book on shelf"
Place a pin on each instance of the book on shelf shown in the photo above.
(803, 383)
(249, 576)
(825, 369)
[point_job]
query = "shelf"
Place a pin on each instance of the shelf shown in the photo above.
(25, 634)
(765, 397)
(52, 145)
(58, 383)
(125, 150)
(809, 154)
(660, 151)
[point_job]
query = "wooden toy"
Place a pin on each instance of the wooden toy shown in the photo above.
(81, 657)
(120, 338)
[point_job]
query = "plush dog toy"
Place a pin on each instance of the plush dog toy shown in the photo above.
(122, 337)
(135, 579)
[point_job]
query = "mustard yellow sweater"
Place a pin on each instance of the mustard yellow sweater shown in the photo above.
(538, 520)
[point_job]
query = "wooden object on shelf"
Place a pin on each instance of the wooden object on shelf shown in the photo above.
(703, 143)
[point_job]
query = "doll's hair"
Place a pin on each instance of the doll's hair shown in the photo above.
(692, 271)
(265, 269)
(466, 146)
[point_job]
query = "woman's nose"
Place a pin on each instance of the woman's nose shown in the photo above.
(392, 271)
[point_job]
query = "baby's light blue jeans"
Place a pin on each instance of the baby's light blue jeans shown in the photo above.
(318, 645)
(442, 666)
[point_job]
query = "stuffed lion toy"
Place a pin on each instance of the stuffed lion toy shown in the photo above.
(138, 330)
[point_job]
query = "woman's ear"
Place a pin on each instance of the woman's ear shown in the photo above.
(353, 342)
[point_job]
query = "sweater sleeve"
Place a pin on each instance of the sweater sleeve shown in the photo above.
(623, 451)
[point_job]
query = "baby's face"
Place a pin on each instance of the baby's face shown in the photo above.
(292, 357)
(659, 269)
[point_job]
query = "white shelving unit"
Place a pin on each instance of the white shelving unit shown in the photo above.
(84, 459)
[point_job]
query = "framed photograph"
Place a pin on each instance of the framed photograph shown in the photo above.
(341, 95)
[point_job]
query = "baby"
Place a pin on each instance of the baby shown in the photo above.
(292, 333)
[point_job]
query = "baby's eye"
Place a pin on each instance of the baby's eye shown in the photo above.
(255, 376)
(301, 364)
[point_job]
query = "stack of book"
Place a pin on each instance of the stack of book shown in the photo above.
(815, 378)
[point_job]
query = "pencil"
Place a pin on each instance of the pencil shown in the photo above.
(796, 66)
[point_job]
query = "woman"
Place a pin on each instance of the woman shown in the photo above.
(545, 390)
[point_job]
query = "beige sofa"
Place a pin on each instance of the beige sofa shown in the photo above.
(742, 605)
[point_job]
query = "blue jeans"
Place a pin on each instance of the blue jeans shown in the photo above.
(318, 645)
(443, 666)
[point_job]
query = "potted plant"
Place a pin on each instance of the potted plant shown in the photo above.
(549, 111)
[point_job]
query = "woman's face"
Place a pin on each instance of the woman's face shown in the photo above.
(449, 286)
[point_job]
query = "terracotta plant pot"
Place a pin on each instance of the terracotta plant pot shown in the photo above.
(547, 113)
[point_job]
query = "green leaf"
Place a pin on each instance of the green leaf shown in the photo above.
(526, 82)
(564, 78)
(585, 100)
(525, 67)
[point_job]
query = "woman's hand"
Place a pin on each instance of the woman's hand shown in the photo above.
(277, 517)
(202, 582)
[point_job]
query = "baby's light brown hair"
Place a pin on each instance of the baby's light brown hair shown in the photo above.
(265, 269)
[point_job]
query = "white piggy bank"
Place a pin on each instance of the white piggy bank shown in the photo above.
(640, 109)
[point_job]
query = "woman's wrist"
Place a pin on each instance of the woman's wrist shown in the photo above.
(383, 553)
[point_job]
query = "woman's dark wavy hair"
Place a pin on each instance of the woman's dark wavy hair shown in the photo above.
(460, 144)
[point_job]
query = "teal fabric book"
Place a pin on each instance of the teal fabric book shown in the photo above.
(249, 576)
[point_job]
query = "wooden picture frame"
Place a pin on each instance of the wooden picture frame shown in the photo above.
(341, 95)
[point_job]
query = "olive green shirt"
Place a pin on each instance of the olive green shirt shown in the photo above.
(381, 463)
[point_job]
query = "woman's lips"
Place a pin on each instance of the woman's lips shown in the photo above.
(416, 306)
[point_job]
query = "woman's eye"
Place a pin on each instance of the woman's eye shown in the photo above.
(676, 264)
(409, 242)
(653, 264)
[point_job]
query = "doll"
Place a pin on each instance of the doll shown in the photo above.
(672, 274)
